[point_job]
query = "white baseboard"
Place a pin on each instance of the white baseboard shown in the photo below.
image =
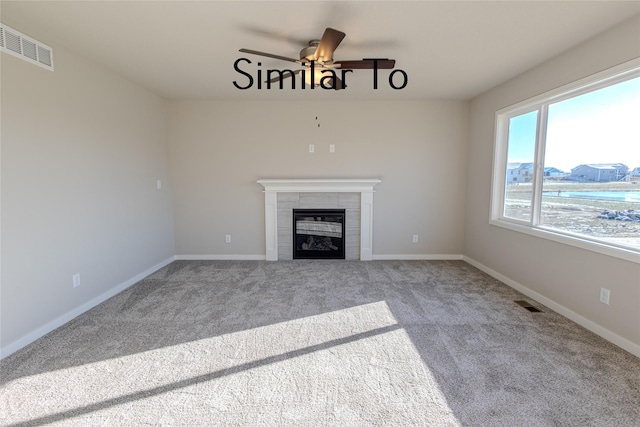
(232, 257)
(560, 309)
(56, 323)
(419, 257)
(221, 257)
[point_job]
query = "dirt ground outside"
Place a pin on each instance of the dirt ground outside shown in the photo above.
(578, 215)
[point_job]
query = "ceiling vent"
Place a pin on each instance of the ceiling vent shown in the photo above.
(17, 44)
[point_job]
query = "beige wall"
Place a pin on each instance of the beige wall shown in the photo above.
(82, 150)
(566, 275)
(219, 149)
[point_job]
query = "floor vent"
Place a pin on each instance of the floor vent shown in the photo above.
(528, 306)
(17, 44)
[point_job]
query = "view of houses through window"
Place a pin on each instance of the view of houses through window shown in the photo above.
(587, 146)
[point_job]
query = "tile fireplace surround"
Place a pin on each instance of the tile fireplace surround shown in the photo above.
(362, 186)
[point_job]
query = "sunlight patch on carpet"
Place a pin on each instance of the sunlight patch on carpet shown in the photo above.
(327, 365)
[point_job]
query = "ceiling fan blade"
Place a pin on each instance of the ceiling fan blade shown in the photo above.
(284, 76)
(270, 55)
(328, 43)
(338, 83)
(366, 64)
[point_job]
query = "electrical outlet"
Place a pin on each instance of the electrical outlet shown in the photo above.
(604, 295)
(312, 148)
(159, 184)
(227, 238)
(332, 148)
(415, 238)
(76, 280)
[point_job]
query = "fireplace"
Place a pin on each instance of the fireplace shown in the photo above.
(282, 195)
(319, 234)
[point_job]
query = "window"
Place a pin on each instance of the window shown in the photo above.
(566, 164)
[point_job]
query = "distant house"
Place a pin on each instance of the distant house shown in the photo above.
(635, 173)
(550, 172)
(600, 172)
(519, 173)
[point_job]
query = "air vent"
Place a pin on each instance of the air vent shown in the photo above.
(17, 44)
(528, 306)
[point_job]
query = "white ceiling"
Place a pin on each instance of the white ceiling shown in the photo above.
(186, 49)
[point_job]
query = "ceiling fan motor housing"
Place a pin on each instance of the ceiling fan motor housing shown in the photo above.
(309, 52)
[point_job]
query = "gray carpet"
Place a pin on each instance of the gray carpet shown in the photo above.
(315, 343)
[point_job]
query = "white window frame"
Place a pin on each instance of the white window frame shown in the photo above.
(609, 77)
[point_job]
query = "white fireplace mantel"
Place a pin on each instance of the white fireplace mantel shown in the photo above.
(274, 186)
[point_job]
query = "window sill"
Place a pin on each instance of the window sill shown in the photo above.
(626, 254)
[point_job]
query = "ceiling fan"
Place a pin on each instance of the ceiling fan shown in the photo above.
(318, 56)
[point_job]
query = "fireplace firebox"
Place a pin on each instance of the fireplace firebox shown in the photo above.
(318, 234)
